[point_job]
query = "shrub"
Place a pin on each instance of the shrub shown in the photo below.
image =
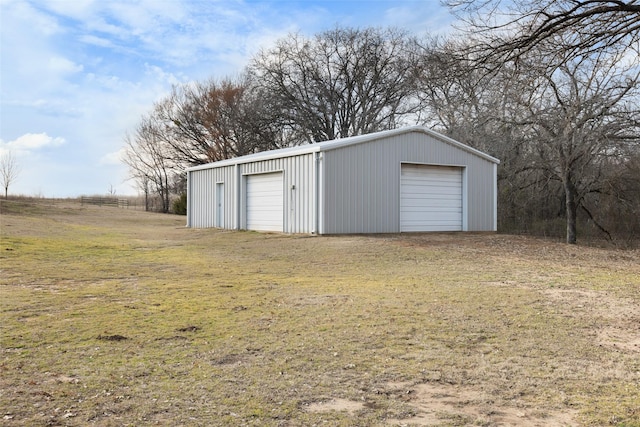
(180, 205)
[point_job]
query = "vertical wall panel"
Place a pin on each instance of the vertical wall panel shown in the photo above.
(202, 197)
(298, 185)
(361, 187)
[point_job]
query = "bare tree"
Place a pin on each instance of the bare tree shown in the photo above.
(613, 208)
(141, 179)
(558, 134)
(148, 162)
(207, 122)
(580, 115)
(576, 64)
(505, 31)
(9, 170)
(462, 101)
(340, 83)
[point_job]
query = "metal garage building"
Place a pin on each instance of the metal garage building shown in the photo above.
(403, 180)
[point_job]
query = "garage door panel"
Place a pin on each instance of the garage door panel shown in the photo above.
(425, 213)
(443, 188)
(433, 180)
(426, 190)
(432, 228)
(430, 198)
(265, 207)
(418, 198)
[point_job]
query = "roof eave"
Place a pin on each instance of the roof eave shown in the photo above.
(264, 155)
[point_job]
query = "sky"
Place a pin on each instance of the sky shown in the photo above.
(77, 75)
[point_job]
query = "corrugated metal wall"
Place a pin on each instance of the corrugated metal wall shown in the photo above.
(202, 209)
(201, 186)
(299, 190)
(361, 183)
(299, 193)
(359, 186)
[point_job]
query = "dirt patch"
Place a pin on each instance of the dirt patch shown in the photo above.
(443, 404)
(336, 405)
(66, 379)
(437, 404)
(616, 320)
(622, 339)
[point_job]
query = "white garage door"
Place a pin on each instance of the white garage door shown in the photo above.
(265, 208)
(430, 198)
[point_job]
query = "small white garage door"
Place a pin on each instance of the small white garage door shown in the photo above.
(265, 208)
(430, 198)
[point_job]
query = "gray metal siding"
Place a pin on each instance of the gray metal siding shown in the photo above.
(299, 193)
(361, 188)
(359, 184)
(299, 190)
(201, 199)
(202, 204)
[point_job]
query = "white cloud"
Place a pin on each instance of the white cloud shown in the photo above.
(58, 64)
(97, 41)
(161, 76)
(419, 18)
(146, 16)
(77, 9)
(22, 12)
(113, 158)
(30, 142)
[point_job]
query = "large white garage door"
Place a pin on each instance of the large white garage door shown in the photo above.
(265, 208)
(430, 198)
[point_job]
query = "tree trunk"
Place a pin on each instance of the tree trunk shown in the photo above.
(570, 195)
(166, 201)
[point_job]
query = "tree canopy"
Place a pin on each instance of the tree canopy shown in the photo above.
(505, 30)
(340, 83)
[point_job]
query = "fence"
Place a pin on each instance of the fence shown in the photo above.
(105, 201)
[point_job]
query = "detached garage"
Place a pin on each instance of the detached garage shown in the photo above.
(403, 180)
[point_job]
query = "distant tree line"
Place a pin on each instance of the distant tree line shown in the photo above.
(564, 120)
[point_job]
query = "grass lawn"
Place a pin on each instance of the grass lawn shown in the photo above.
(116, 317)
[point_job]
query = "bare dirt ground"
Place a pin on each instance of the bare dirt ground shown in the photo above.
(435, 404)
(114, 317)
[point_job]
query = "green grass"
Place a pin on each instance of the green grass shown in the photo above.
(117, 317)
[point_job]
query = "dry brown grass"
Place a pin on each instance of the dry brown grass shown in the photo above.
(117, 317)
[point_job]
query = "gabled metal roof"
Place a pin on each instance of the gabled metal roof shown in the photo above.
(338, 143)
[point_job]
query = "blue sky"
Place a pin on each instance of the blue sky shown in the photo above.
(76, 75)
